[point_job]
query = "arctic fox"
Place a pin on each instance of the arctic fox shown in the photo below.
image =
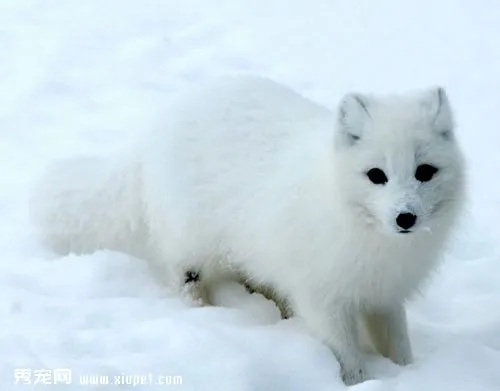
(342, 212)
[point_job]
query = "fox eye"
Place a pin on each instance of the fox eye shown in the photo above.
(425, 172)
(377, 176)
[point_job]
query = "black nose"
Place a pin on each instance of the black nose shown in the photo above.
(406, 220)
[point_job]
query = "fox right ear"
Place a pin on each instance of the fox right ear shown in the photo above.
(352, 117)
(439, 112)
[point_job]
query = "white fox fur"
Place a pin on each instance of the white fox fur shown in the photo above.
(248, 176)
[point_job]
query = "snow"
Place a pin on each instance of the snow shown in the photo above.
(85, 77)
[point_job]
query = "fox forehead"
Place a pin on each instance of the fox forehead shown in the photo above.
(400, 121)
(400, 139)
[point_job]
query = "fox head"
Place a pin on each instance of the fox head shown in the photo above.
(398, 164)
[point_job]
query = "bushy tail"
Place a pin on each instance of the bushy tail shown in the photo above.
(86, 204)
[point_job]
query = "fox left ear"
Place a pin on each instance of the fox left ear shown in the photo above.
(438, 108)
(353, 117)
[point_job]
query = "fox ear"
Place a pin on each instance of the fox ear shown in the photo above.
(352, 117)
(439, 113)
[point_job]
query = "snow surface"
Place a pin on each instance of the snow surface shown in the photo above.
(86, 76)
